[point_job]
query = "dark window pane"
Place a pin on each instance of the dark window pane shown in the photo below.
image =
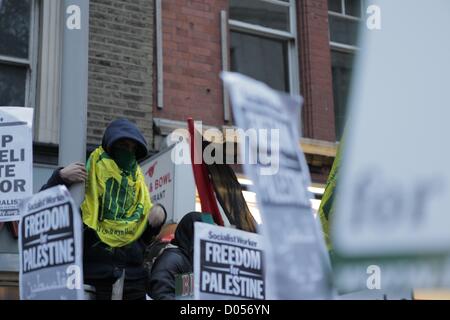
(353, 8)
(335, 5)
(343, 30)
(14, 27)
(260, 13)
(12, 85)
(342, 65)
(261, 58)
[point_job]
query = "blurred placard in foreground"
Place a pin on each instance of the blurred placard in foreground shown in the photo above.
(297, 263)
(391, 228)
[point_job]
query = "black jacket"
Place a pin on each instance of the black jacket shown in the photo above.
(161, 285)
(173, 261)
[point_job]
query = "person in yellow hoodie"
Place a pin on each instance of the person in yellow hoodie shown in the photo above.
(115, 212)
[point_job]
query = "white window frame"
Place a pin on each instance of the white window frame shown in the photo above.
(341, 46)
(337, 46)
(31, 62)
(46, 126)
(344, 14)
(290, 37)
(159, 55)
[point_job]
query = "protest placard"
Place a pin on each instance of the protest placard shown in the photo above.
(228, 264)
(297, 262)
(50, 247)
(390, 229)
(16, 160)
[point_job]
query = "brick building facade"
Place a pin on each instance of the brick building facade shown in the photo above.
(192, 63)
(192, 58)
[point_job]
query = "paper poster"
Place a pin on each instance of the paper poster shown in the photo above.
(50, 247)
(228, 264)
(16, 160)
(297, 261)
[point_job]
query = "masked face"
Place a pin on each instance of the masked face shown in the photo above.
(123, 153)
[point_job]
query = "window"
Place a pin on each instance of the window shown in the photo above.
(263, 42)
(344, 18)
(18, 26)
(261, 58)
(341, 68)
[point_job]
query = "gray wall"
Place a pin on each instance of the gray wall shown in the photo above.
(120, 65)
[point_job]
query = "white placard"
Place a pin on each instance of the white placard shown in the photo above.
(395, 178)
(297, 261)
(159, 174)
(228, 264)
(170, 184)
(50, 247)
(394, 187)
(16, 160)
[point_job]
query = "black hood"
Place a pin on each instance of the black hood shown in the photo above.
(123, 128)
(184, 234)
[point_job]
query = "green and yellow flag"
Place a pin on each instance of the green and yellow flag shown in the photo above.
(326, 208)
(117, 203)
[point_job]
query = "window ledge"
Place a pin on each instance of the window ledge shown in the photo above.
(319, 147)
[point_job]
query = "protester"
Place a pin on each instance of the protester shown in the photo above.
(117, 216)
(176, 259)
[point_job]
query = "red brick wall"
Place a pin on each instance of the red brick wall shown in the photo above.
(192, 60)
(315, 70)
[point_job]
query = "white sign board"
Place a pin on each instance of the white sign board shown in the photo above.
(50, 245)
(159, 173)
(298, 265)
(395, 177)
(16, 160)
(170, 184)
(228, 264)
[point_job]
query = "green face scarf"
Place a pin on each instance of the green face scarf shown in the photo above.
(125, 159)
(117, 203)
